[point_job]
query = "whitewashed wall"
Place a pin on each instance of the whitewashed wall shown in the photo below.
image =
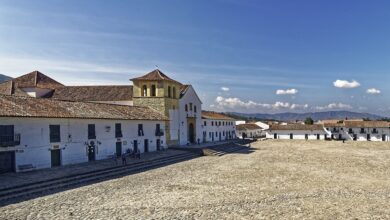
(216, 130)
(189, 97)
(362, 136)
(297, 134)
(255, 133)
(35, 139)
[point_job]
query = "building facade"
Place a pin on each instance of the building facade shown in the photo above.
(296, 132)
(42, 133)
(155, 112)
(217, 127)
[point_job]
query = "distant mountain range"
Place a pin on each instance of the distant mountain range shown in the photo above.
(314, 115)
(4, 78)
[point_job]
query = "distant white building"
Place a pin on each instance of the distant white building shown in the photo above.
(359, 130)
(250, 130)
(296, 131)
(264, 126)
(240, 122)
(217, 127)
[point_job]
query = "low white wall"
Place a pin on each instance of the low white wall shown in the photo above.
(35, 147)
(214, 132)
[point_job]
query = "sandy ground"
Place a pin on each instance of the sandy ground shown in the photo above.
(278, 180)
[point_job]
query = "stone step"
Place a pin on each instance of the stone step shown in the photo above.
(93, 176)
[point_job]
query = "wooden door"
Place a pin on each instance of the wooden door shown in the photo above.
(56, 158)
(118, 149)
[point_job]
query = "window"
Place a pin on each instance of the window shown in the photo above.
(186, 107)
(190, 106)
(6, 134)
(91, 131)
(223, 123)
(169, 92)
(194, 108)
(205, 123)
(55, 134)
(153, 90)
(219, 123)
(118, 130)
(158, 130)
(174, 92)
(140, 130)
(212, 123)
(144, 91)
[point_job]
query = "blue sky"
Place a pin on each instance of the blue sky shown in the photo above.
(236, 53)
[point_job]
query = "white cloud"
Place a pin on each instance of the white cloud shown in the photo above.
(373, 91)
(225, 89)
(222, 103)
(333, 106)
(346, 84)
(286, 92)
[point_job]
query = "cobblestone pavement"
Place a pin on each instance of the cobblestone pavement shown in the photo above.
(277, 180)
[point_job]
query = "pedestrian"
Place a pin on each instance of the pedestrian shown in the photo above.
(123, 159)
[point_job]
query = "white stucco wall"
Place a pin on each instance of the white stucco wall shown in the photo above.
(297, 134)
(189, 97)
(216, 132)
(36, 92)
(345, 134)
(35, 139)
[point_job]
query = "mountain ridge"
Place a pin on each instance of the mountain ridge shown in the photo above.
(288, 116)
(4, 78)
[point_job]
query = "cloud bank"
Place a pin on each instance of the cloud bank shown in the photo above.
(344, 84)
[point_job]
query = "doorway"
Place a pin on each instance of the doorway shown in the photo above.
(7, 161)
(383, 137)
(318, 136)
(368, 137)
(158, 144)
(191, 133)
(55, 158)
(275, 136)
(135, 146)
(91, 151)
(118, 149)
(146, 145)
(291, 136)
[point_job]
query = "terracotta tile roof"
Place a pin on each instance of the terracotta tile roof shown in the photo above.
(16, 106)
(334, 125)
(367, 124)
(215, 115)
(34, 79)
(155, 75)
(183, 90)
(94, 93)
(248, 126)
(297, 127)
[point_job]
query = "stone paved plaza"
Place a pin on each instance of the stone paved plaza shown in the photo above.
(274, 180)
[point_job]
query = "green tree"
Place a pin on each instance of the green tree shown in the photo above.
(309, 121)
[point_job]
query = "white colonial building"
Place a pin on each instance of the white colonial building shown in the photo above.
(217, 127)
(43, 133)
(297, 131)
(359, 130)
(44, 123)
(250, 130)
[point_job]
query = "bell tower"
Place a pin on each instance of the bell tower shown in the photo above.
(156, 90)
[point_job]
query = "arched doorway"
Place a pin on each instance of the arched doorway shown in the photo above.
(191, 133)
